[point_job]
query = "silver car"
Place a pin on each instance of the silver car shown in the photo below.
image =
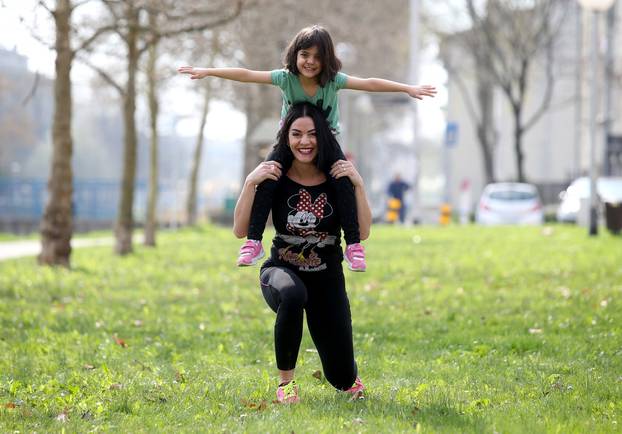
(510, 203)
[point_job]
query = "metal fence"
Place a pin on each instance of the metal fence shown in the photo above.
(94, 203)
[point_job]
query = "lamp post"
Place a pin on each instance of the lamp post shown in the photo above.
(595, 6)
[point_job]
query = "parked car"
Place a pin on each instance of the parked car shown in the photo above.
(608, 189)
(509, 203)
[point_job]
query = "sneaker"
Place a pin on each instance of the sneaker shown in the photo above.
(250, 252)
(287, 393)
(356, 391)
(355, 257)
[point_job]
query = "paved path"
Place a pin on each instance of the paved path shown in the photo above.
(18, 249)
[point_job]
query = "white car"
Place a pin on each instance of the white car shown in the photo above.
(510, 203)
(608, 189)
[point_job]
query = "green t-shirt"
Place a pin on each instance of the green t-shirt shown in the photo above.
(325, 97)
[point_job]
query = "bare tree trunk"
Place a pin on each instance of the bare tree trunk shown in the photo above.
(57, 222)
(191, 202)
(125, 221)
(518, 142)
(151, 223)
(486, 128)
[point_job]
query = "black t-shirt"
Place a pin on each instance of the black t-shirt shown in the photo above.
(308, 232)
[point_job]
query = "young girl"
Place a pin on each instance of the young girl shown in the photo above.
(311, 74)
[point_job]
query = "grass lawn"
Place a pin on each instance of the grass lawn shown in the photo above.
(455, 330)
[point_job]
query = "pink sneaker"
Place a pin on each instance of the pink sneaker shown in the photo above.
(250, 252)
(355, 257)
(287, 393)
(356, 390)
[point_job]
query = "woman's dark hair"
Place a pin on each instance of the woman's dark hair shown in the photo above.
(314, 36)
(327, 145)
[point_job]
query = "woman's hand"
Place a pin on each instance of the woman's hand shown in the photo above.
(195, 73)
(265, 170)
(343, 168)
(420, 91)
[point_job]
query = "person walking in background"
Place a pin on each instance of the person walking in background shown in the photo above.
(311, 74)
(397, 188)
(304, 271)
(464, 202)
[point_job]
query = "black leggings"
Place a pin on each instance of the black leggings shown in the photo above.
(346, 202)
(323, 296)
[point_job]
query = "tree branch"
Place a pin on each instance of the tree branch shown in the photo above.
(205, 26)
(88, 41)
(46, 7)
(33, 89)
(103, 74)
(548, 93)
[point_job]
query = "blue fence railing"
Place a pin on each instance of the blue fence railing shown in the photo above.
(93, 200)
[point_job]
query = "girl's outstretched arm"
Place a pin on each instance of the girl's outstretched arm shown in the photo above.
(382, 85)
(236, 74)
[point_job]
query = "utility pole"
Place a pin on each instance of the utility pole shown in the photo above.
(609, 56)
(416, 214)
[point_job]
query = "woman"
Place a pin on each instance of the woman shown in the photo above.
(304, 271)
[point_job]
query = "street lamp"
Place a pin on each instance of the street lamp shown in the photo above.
(595, 6)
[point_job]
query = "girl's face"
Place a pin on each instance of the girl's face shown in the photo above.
(302, 140)
(308, 62)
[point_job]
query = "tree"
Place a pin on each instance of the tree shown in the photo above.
(191, 201)
(151, 222)
(507, 39)
(57, 222)
(479, 104)
(181, 18)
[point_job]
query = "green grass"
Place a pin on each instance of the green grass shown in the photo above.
(455, 330)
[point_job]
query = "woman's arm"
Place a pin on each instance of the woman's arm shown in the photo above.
(382, 85)
(242, 212)
(363, 210)
(236, 74)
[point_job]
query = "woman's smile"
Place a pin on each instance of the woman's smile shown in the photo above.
(302, 140)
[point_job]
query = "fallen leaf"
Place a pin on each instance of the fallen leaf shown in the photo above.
(547, 231)
(358, 420)
(120, 341)
(317, 374)
(10, 405)
(116, 386)
(535, 331)
(262, 405)
(63, 417)
(180, 377)
(88, 367)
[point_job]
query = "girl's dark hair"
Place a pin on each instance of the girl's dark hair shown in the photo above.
(314, 36)
(327, 145)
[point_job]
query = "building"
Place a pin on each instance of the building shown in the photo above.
(556, 147)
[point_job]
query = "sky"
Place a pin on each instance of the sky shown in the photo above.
(225, 122)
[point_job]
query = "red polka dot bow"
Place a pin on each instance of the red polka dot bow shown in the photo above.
(305, 203)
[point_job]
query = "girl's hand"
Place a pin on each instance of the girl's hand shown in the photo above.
(195, 73)
(420, 91)
(265, 170)
(343, 168)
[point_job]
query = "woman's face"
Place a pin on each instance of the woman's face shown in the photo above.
(302, 140)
